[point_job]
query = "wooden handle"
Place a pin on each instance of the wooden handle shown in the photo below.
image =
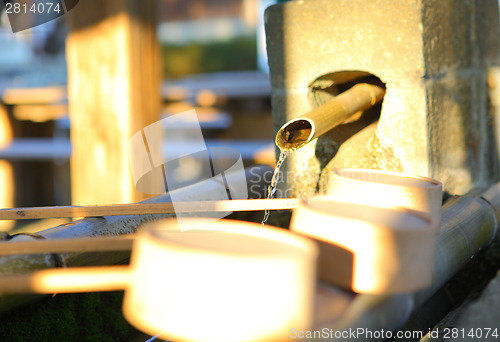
(83, 279)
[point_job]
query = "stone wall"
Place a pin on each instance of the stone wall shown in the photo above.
(433, 57)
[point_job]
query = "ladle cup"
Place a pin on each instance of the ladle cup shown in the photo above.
(388, 190)
(368, 249)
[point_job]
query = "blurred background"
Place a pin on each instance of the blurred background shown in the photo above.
(212, 58)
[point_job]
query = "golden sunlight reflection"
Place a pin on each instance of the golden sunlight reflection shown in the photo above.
(7, 186)
(83, 279)
(100, 159)
(5, 128)
(206, 98)
(33, 95)
(6, 170)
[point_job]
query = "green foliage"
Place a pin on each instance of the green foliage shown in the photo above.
(235, 54)
(69, 317)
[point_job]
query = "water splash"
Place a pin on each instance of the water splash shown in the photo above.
(271, 189)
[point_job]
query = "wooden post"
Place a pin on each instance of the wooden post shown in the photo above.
(114, 79)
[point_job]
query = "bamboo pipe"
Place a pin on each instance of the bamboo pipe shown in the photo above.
(302, 130)
(147, 208)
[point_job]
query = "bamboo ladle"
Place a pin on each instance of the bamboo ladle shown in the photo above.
(224, 281)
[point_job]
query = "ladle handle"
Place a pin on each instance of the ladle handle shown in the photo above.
(68, 245)
(76, 279)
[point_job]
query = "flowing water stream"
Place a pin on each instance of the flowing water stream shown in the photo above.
(271, 189)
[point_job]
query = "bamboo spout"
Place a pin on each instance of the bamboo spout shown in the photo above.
(302, 130)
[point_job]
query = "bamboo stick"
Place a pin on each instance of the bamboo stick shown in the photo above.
(92, 244)
(300, 131)
(147, 208)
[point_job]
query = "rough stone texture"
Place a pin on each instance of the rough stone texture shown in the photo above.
(433, 57)
(483, 315)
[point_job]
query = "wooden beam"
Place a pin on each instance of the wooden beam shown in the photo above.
(114, 79)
